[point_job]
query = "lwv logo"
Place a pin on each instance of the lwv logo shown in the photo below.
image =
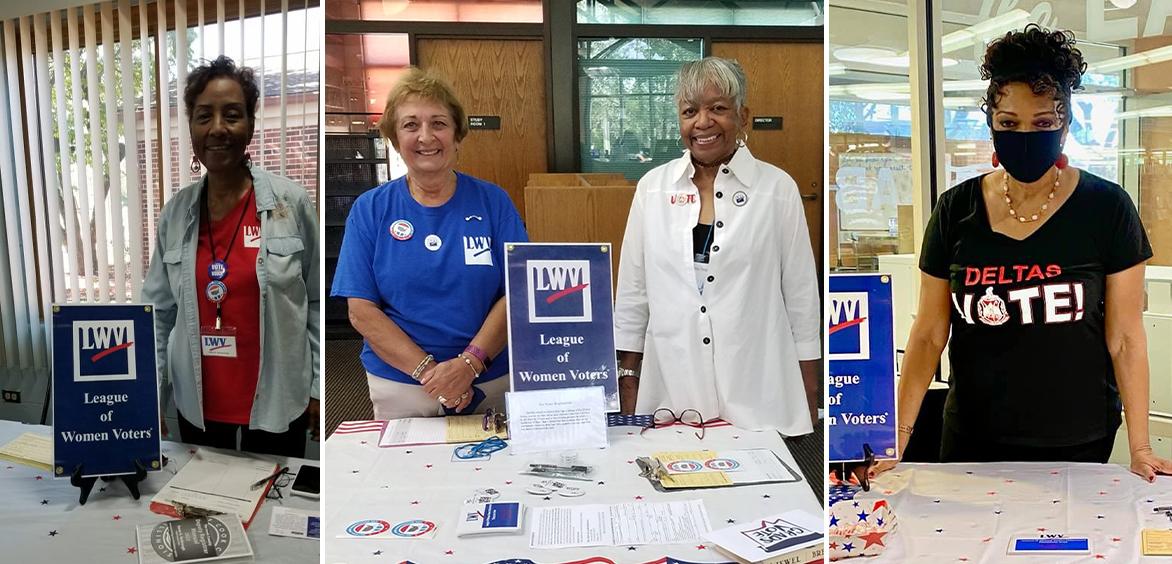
(478, 250)
(103, 350)
(850, 331)
(559, 291)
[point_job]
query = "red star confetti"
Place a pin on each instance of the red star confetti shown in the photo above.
(1041, 529)
(1115, 539)
(1102, 493)
(963, 559)
(1009, 481)
(448, 552)
(630, 462)
(117, 517)
(639, 498)
(190, 451)
(508, 482)
(362, 442)
(416, 502)
(701, 547)
(131, 550)
(428, 466)
(1100, 557)
(991, 493)
(871, 538)
(986, 539)
(477, 468)
(833, 545)
(40, 477)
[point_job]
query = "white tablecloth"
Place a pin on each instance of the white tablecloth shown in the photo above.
(423, 482)
(969, 512)
(41, 521)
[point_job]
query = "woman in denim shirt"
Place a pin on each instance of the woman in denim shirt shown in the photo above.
(234, 281)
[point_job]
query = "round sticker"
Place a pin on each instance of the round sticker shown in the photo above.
(368, 528)
(211, 529)
(740, 198)
(684, 466)
(217, 270)
(402, 230)
(722, 464)
(216, 291)
(571, 491)
(413, 528)
(433, 242)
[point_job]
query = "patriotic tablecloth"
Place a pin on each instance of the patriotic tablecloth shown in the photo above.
(364, 481)
(41, 521)
(969, 512)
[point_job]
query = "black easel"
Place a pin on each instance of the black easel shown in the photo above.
(860, 470)
(87, 484)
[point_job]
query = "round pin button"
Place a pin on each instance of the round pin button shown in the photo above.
(215, 291)
(218, 269)
(433, 242)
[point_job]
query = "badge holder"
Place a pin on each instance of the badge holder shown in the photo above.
(859, 471)
(86, 485)
(218, 339)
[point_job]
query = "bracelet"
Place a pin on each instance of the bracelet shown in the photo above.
(479, 354)
(906, 429)
(475, 374)
(415, 374)
(628, 373)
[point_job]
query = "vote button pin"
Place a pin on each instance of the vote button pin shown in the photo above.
(217, 270)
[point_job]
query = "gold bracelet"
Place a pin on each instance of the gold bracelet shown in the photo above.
(415, 375)
(475, 374)
(906, 429)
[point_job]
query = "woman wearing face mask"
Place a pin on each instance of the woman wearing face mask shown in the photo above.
(1037, 269)
(717, 296)
(422, 266)
(234, 281)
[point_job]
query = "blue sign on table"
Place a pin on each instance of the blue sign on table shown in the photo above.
(861, 383)
(105, 390)
(561, 328)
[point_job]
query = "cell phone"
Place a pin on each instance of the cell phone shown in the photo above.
(308, 481)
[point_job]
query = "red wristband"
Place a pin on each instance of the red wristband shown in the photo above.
(479, 354)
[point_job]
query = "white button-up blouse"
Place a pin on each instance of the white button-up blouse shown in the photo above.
(732, 352)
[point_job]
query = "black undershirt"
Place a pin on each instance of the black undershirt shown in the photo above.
(701, 242)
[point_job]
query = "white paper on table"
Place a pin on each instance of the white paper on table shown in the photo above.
(298, 523)
(558, 419)
(624, 524)
(30, 448)
(414, 431)
(218, 482)
(760, 539)
(204, 539)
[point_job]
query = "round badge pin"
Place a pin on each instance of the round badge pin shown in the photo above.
(740, 198)
(538, 489)
(433, 242)
(402, 230)
(571, 491)
(218, 269)
(215, 291)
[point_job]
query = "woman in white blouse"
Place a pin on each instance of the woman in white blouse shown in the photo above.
(717, 307)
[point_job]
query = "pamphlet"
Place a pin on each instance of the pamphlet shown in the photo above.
(557, 419)
(507, 517)
(298, 523)
(30, 449)
(414, 431)
(200, 539)
(769, 538)
(622, 524)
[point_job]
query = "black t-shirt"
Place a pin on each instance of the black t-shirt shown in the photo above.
(701, 242)
(1028, 350)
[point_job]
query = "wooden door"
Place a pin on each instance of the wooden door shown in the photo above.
(496, 77)
(786, 80)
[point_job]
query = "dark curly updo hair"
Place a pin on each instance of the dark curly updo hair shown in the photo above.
(222, 67)
(1046, 60)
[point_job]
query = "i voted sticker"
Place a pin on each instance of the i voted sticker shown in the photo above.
(402, 230)
(433, 242)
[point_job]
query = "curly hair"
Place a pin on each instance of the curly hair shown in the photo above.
(222, 67)
(1046, 60)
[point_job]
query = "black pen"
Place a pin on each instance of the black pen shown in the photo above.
(256, 485)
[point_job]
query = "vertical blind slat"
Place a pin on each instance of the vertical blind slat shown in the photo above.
(79, 144)
(220, 25)
(130, 136)
(32, 221)
(148, 188)
(17, 315)
(114, 193)
(180, 84)
(28, 264)
(199, 31)
(52, 221)
(241, 31)
(284, 78)
(261, 79)
(165, 107)
(97, 181)
(70, 207)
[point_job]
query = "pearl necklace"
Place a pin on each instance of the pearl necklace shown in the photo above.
(1045, 206)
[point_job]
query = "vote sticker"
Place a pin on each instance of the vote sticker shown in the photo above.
(433, 242)
(217, 270)
(402, 230)
(216, 291)
(368, 528)
(684, 466)
(414, 528)
(722, 464)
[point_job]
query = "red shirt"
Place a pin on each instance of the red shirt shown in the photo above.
(229, 384)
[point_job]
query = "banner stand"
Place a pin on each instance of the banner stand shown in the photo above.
(86, 485)
(861, 470)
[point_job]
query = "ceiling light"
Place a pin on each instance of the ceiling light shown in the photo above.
(1131, 61)
(1156, 111)
(983, 31)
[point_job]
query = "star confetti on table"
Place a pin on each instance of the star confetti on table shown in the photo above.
(377, 553)
(970, 473)
(546, 498)
(478, 468)
(602, 483)
(987, 539)
(996, 511)
(1115, 539)
(939, 530)
(354, 471)
(416, 502)
(1041, 529)
(1099, 517)
(101, 489)
(1008, 481)
(631, 548)
(449, 552)
(364, 442)
(428, 466)
(510, 482)
(701, 547)
(991, 493)
(874, 537)
(1056, 501)
(1100, 557)
(879, 521)
(117, 517)
(407, 452)
(638, 498)
(40, 477)
(963, 559)
(766, 496)
(44, 502)
(731, 521)
(630, 462)
(52, 533)
(935, 501)
(131, 550)
(833, 545)
(1102, 493)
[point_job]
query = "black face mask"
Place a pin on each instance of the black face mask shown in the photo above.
(1027, 156)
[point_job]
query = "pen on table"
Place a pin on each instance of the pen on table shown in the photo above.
(257, 484)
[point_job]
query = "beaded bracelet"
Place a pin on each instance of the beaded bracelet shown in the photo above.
(475, 374)
(416, 374)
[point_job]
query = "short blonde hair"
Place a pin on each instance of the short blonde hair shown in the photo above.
(426, 86)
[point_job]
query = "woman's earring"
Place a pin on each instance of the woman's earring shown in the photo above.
(996, 163)
(1062, 161)
(247, 160)
(194, 164)
(743, 138)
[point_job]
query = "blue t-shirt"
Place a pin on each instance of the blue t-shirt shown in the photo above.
(436, 272)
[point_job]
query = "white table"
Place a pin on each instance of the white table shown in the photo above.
(969, 512)
(423, 482)
(41, 520)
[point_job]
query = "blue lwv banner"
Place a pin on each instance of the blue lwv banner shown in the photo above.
(561, 329)
(105, 390)
(861, 384)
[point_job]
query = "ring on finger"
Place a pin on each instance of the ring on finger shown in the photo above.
(443, 400)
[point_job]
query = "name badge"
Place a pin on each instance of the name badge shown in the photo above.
(1049, 544)
(218, 342)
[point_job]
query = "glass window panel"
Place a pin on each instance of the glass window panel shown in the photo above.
(701, 12)
(503, 11)
(627, 102)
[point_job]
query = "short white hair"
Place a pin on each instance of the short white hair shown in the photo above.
(725, 74)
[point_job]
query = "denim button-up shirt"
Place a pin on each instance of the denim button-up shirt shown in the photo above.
(290, 303)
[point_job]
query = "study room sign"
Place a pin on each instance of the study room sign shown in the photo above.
(105, 390)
